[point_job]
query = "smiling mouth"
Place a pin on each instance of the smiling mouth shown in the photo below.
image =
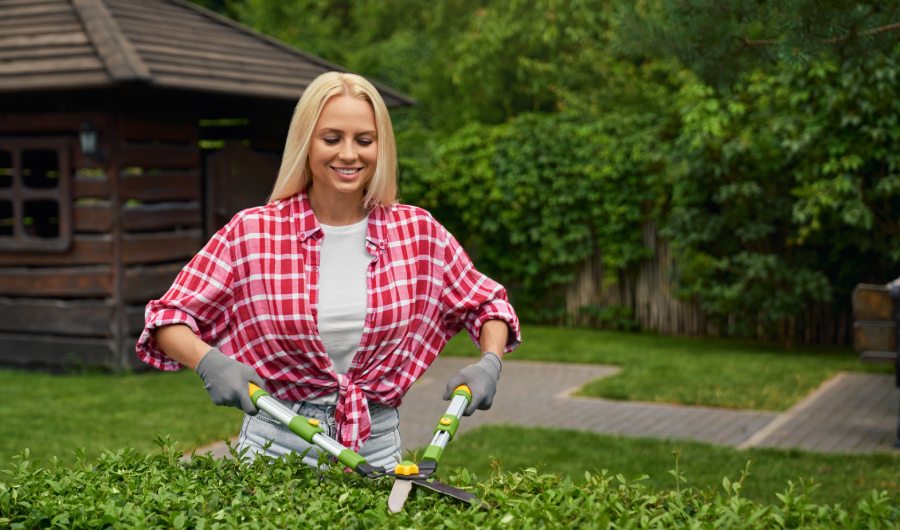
(347, 170)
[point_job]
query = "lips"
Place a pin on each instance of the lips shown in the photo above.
(346, 171)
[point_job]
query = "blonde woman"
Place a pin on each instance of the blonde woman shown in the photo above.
(332, 296)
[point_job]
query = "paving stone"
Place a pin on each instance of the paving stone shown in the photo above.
(852, 412)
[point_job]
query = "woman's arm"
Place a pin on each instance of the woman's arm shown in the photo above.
(179, 342)
(494, 337)
(224, 378)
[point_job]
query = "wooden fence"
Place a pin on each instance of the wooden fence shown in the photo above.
(649, 292)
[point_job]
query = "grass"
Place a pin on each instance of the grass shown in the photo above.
(53, 415)
(842, 479)
(690, 371)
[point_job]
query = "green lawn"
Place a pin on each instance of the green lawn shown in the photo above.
(701, 371)
(841, 478)
(53, 415)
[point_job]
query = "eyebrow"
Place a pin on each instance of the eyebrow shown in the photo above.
(338, 131)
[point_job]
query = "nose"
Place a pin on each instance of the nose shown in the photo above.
(348, 153)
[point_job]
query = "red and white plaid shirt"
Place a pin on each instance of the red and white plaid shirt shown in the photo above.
(253, 292)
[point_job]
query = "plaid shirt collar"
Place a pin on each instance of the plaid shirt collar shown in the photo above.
(308, 226)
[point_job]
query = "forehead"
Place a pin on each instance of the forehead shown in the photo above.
(346, 113)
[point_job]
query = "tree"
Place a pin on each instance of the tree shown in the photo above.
(722, 39)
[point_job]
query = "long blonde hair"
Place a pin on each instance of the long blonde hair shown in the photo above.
(294, 174)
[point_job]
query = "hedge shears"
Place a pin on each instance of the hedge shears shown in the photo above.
(406, 474)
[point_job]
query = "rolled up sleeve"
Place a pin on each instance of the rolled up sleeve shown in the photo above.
(470, 298)
(199, 298)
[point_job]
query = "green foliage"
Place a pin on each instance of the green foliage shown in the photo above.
(720, 40)
(125, 489)
(512, 57)
(318, 27)
(542, 192)
(786, 190)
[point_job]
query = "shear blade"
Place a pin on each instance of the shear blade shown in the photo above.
(399, 492)
(444, 489)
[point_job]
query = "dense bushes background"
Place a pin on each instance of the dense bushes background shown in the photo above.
(761, 138)
(125, 489)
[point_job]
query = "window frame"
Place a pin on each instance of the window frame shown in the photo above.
(18, 193)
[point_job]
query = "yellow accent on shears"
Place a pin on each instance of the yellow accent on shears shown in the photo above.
(406, 468)
(464, 387)
(446, 421)
(253, 388)
(312, 421)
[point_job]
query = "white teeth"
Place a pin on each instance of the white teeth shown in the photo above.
(346, 171)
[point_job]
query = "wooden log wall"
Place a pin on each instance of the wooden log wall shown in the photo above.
(648, 291)
(160, 195)
(57, 307)
(137, 217)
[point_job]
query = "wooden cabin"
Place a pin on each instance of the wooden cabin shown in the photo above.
(130, 130)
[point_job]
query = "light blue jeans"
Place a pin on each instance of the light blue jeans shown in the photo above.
(382, 449)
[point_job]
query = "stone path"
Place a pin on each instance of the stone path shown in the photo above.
(851, 412)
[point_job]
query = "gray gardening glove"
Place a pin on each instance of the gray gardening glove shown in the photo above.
(481, 378)
(226, 380)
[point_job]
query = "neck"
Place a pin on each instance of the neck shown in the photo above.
(336, 210)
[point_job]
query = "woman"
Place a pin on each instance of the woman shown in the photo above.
(331, 296)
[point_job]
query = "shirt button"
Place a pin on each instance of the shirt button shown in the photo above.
(315, 268)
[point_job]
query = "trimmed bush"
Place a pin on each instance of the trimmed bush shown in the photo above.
(127, 489)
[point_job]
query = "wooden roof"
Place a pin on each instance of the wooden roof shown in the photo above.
(82, 44)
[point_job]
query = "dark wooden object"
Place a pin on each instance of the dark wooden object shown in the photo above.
(876, 326)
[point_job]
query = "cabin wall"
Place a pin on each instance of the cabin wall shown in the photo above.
(136, 218)
(57, 306)
(160, 212)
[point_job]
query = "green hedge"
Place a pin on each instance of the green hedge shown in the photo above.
(531, 199)
(127, 489)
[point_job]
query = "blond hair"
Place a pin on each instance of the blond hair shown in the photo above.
(294, 174)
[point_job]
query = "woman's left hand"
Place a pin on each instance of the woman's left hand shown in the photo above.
(481, 378)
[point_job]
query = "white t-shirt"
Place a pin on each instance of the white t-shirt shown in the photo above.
(343, 267)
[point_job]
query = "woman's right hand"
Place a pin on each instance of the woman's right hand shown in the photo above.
(226, 380)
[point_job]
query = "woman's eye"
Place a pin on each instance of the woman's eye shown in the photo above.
(365, 141)
(331, 140)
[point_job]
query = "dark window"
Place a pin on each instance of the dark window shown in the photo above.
(40, 168)
(41, 218)
(7, 219)
(6, 169)
(35, 211)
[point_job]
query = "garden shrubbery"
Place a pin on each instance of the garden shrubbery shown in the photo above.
(127, 489)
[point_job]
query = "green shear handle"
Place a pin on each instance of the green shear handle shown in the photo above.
(448, 424)
(308, 429)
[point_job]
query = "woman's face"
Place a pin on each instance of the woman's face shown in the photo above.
(344, 149)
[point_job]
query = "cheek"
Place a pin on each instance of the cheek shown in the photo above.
(370, 153)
